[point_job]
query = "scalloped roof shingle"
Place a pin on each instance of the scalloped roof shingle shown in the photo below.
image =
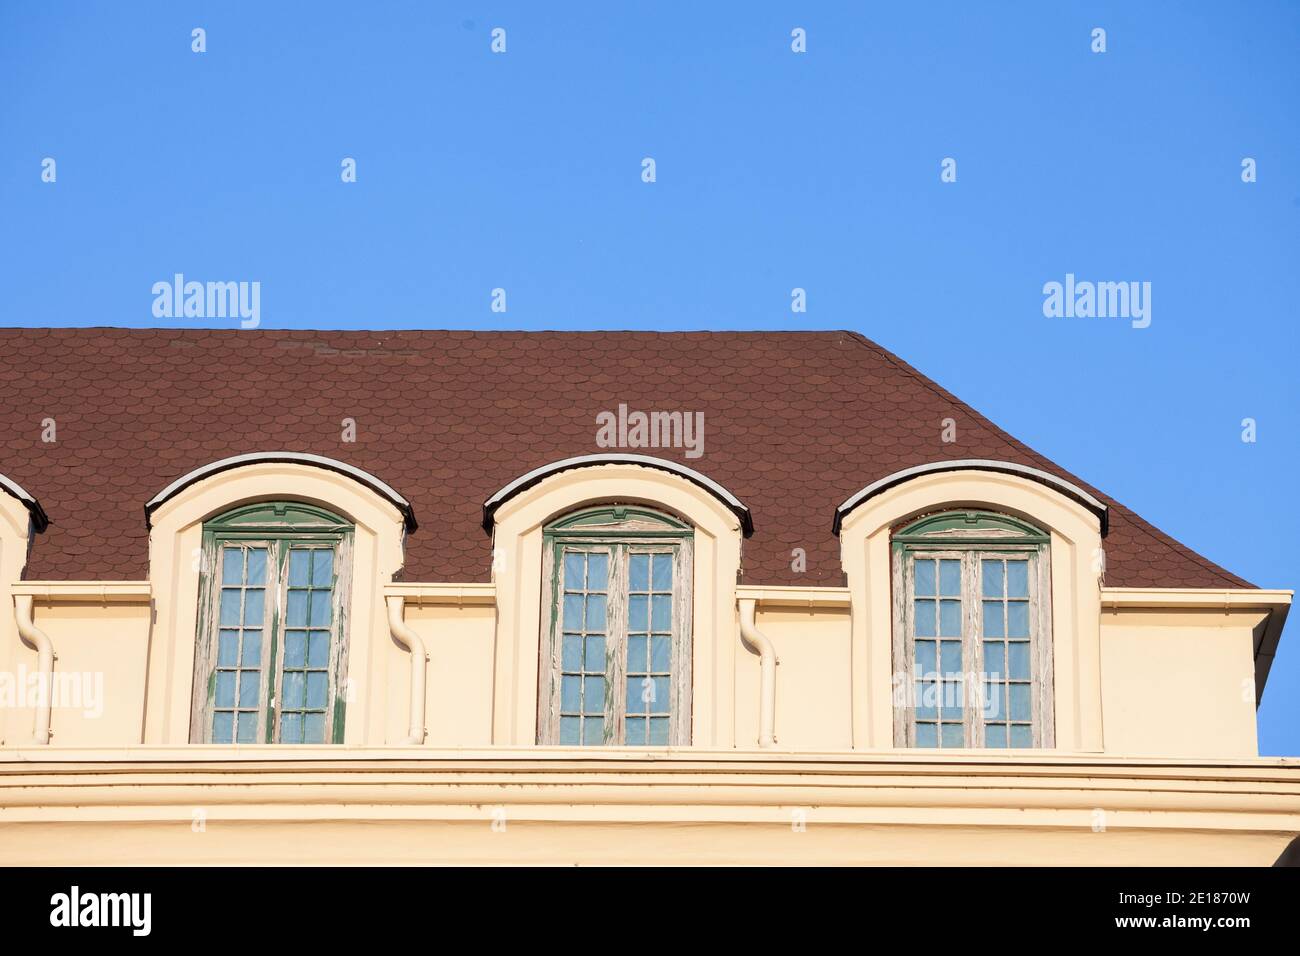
(795, 422)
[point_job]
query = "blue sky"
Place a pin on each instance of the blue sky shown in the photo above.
(774, 170)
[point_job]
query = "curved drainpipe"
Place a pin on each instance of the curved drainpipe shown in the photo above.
(45, 669)
(413, 643)
(757, 641)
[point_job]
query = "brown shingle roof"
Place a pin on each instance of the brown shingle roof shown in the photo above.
(795, 422)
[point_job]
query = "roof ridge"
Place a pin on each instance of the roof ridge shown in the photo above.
(1146, 526)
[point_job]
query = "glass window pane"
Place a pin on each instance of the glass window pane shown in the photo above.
(661, 612)
(248, 728)
(569, 730)
(313, 729)
(570, 695)
(924, 576)
(596, 612)
(322, 568)
(1022, 735)
(662, 574)
(952, 700)
(223, 727)
(225, 691)
(322, 607)
(659, 731)
(639, 572)
(659, 702)
(597, 572)
(227, 648)
(593, 695)
(637, 690)
(257, 567)
(574, 564)
(299, 568)
(994, 623)
(950, 618)
(593, 731)
(250, 654)
(950, 657)
(924, 618)
(317, 690)
(927, 735)
(250, 686)
(949, 577)
(995, 735)
(636, 654)
(296, 613)
(595, 659)
(318, 649)
(254, 605)
(993, 662)
(1018, 661)
(291, 728)
(295, 649)
(638, 613)
(571, 653)
(292, 690)
(953, 735)
(991, 578)
(925, 657)
(927, 699)
(1017, 619)
(230, 606)
(573, 612)
(1018, 579)
(1019, 702)
(660, 653)
(232, 566)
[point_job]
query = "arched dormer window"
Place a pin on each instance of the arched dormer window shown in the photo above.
(972, 632)
(616, 651)
(271, 658)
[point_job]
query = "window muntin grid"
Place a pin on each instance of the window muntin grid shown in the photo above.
(1006, 644)
(303, 700)
(649, 648)
(238, 691)
(631, 605)
(978, 672)
(584, 666)
(272, 576)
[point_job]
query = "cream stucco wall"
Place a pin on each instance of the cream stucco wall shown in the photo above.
(1180, 683)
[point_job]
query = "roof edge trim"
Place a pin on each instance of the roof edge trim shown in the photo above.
(526, 481)
(282, 457)
(40, 520)
(1066, 488)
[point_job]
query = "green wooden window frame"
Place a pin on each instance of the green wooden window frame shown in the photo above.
(615, 662)
(271, 652)
(972, 631)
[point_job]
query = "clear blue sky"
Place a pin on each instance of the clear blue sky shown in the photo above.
(774, 170)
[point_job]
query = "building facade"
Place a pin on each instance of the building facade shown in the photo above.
(436, 597)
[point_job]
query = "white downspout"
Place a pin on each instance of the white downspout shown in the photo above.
(413, 643)
(45, 668)
(757, 641)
